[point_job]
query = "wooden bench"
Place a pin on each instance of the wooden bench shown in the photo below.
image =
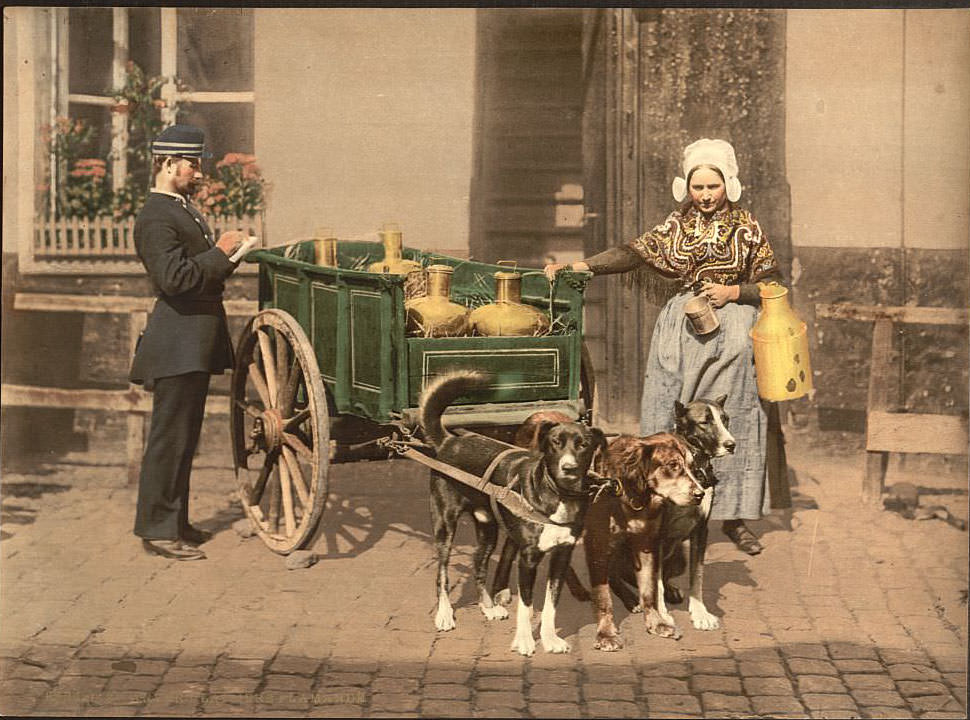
(887, 431)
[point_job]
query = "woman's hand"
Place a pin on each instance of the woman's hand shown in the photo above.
(720, 295)
(553, 269)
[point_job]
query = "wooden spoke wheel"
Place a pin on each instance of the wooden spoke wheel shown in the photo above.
(280, 429)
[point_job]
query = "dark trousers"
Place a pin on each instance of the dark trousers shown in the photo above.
(178, 407)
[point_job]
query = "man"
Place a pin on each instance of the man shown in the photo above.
(186, 339)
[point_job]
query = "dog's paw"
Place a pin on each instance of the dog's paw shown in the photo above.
(608, 643)
(496, 612)
(701, 618)
(524, 644)
(672, 594)
(503, 597)
(657, 625)
(444, 619)
(555, 644)
(636, 609)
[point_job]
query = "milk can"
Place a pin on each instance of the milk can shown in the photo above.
(507, 315)
(324, 247)
(780, 347)
(393, 262)
(434, 315)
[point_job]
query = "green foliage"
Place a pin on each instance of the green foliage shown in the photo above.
(237, 187)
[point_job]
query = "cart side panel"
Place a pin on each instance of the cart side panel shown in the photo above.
(523, 369)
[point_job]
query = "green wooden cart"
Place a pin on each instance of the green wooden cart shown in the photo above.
(325, 373)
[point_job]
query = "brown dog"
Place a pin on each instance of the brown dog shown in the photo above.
(622, 527)
(626, 526)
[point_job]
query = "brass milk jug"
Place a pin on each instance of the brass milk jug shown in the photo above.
(434, 315)
(324, 247)
(393, 263)
(507, 315)
(780, 347)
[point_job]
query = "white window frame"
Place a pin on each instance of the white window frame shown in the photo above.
(61, 97)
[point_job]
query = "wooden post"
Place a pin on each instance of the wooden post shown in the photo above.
(135, 442)
(879, 372)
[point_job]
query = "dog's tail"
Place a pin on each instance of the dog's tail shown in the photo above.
(439, 394)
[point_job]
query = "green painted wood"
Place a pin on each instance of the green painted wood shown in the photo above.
(356, 323)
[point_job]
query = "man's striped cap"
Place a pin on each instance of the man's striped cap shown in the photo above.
(181, 140)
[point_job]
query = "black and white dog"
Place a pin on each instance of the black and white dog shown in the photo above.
(703, 426)
(553, 481)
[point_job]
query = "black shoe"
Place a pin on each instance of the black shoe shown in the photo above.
(742, 536)
(195, 536)
(172, 549)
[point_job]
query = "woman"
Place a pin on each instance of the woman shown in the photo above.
(719, 251)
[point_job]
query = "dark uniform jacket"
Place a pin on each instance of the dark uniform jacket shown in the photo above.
(187, 330)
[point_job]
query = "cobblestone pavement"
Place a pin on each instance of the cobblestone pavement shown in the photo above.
(852, 612)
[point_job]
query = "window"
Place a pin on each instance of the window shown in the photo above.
(204, 54)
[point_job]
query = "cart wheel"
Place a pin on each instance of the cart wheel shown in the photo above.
(587, 380)
(280, 429)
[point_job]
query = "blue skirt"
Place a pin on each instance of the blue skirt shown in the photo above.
(684, 366)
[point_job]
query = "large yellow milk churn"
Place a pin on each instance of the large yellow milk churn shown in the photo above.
(434, 315)
(780, 347)
(393, 262)
(507, 315)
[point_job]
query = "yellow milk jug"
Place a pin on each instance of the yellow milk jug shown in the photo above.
(434, 315)
(780, 347)
(508, 315)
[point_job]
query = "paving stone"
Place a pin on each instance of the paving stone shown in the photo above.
(234, 686)
(500, 698)
(834, 714)
(608, 691)
(295, 665)
(828, 701)
(952, 663)
(761, 668)
(445, 708)
(673, 686)
(558, 676)
(869, 682)
(775, 705)
(26, 688)
(851, 651)
(858, 666)
(187, 674)
(768, 686)
(25, 671)
(238, 668)
(105, 651)
(493, 712)
(876, 698)
(93, 666)
(553, 693)
(819, 684)
(612, 709)
(935, 703)
(715, 702)
(169, 709)
(886, 712)
(435, 675)
(339, 695)
(806, 666)
(662, 704)
(495, 682)
(805, 650)
(610, 674)
(450, 691)
(336, 711)
(913, 688)
(908, 671)
(229, 704)
(283, 699)
(196, 658)
(144, 683)
(673, 669)
(344, 678)
(288, 683)
(117, 698)
(713, 666)
(501, 667)
(716, 683)
(394, 685)
(894, 656)
(554, 710)
(394, 702)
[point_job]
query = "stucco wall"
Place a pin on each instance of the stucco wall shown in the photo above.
(878, 143)
(365, 116)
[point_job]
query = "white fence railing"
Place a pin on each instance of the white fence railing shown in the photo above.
(108, 239)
